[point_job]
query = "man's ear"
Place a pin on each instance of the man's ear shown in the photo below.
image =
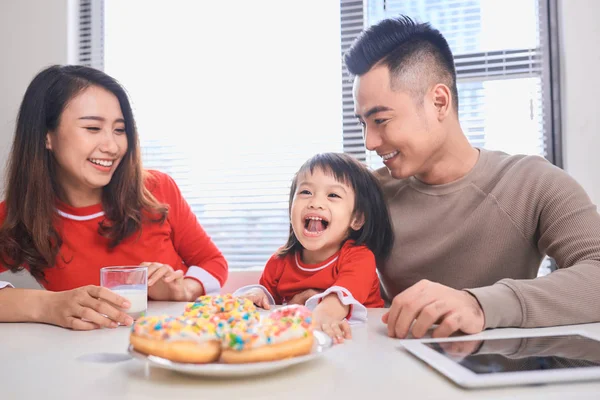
(442, 98)
(48, 141)
(357, 222)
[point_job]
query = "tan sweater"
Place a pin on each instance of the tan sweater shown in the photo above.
(488, 233)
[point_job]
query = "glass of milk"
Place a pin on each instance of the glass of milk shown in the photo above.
(130, 282)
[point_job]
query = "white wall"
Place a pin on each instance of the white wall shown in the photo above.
(33, 35)
(580, 88)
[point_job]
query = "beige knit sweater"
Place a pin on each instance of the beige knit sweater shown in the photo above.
(488, 233)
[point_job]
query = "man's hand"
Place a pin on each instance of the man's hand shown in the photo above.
(300, 298)
(427, 303)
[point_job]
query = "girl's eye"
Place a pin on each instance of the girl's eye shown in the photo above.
(334, 195)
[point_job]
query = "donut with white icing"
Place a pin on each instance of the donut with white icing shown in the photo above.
(287, 332)
(179, 339)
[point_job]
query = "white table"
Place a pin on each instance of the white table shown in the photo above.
(41, 361)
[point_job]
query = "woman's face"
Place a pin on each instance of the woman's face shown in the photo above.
(89, 142)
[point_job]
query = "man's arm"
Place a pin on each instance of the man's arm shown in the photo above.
(558, 217)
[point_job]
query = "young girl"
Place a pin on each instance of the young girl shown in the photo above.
(340, 228)
(77, 199)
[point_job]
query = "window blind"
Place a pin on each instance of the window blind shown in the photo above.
(231, 117)
(502, 69)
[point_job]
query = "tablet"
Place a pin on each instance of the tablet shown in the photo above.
(511, 360)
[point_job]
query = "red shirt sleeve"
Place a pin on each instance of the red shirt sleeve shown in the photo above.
(270, 277)
(190, 240)
(357, 271)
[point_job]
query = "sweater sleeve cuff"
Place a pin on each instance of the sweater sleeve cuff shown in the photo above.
(210, 284)
(357, 313)
(5, 285)
(245, 289)
(500, 304)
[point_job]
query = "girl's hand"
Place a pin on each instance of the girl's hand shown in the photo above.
(337, 330)
(258, 297)
(85, 308)
(164, 283)
(330, 317)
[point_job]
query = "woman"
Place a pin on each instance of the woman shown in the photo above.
(77, 199)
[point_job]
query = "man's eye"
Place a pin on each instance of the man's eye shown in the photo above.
(379, 121)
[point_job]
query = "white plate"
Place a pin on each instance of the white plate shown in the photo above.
(322, 343)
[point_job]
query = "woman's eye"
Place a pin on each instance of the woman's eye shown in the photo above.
(92, 128)
(120, 131)
(304, 191)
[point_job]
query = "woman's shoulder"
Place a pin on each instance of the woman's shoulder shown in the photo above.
(160, 184)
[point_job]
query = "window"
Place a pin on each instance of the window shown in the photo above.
(226, 109)
(230, 101)
(501, 51)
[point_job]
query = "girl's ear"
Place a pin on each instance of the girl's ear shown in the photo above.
(357, 222)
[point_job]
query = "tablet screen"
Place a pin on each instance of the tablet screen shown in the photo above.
(493, 356)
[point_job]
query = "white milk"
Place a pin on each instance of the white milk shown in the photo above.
(138, 299)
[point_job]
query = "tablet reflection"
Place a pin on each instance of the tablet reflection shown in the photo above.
(522, 354)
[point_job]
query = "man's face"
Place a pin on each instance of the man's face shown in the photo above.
(403, 129)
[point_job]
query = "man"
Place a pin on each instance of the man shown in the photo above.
(471, 225)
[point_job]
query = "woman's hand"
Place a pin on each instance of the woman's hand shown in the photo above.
(258, 297)
(85, 308)
(164, 283)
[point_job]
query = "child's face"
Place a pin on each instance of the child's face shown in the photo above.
(322, 215)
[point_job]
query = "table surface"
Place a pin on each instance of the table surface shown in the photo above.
(37, 359)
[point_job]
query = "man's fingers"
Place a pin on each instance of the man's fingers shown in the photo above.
(428, 316)
(450, 324)
(384, 317)
(407, 315)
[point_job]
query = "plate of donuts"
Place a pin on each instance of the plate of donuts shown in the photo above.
(225, 336)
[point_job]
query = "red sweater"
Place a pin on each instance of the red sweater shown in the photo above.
(352, 268)
(179, 242)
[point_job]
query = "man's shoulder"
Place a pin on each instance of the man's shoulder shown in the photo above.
(503, 169)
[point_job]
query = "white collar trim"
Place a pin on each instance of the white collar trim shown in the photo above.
(314, 269)
(80, 217)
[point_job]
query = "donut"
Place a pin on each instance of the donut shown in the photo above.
(287, 332)
(226, 309)
(179, 339)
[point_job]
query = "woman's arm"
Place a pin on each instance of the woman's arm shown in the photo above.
(84, 308)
